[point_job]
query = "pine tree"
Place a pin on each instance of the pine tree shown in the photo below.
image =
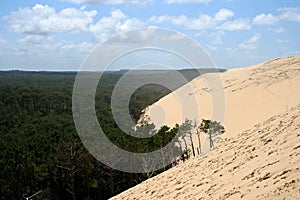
(212, 128)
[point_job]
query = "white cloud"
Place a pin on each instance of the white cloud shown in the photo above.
(238, 24)
(35, 39)
(6, 48)
(44, 53)
(205, 21)
(180, 20)
(290, 14)
(187, 1)
(41, 52)
(42, 19)
(44, 45)
(265, 19)
(286, 14)
(223, 14)
(110, 1)
(115, 23)
(159, 19)
(137, 36)
(217, 37)
(212, 47)
(130, 24)
(176, 37)
(251, 43)
(200, 23)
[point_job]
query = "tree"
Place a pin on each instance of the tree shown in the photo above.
(163, 133)
(198, 133)
(186, 130)
(70, 162)
(190, 127)
(177, 139)
(212, 128)
(39, 147)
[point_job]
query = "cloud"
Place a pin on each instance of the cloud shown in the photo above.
(42, 19)
(221, 20)
(159, 19)
(251, 43)
(43, 53)
(286, 14)
(35, 39)
(44, 45)
(202, 22)
(110, 1)
(187, 1)
(265, 19)
(138, 36)
(177, 37)
(115, 23)
(223, 14)
(6, 48)
(290, 14)
(213, 48)
(217, 37)
(238, 24)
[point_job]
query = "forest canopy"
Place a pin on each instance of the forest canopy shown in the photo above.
(40, 151)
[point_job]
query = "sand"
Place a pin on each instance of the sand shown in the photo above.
(261, 163)
(252, 94)
(259, 155)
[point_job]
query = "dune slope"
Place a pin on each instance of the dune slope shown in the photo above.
(252, 94)
(259, 163)
(259, 155)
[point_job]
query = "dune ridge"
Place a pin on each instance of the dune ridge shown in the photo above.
(253, 93)
(259, 155)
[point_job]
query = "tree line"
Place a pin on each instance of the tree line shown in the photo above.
(41, 155)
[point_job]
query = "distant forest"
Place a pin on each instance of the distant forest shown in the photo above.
(40, 151)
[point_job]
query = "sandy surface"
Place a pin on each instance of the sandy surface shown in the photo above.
(259, 155)
(260, 163)
(251, 94)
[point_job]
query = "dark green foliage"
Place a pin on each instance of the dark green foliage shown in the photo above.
(212, 128)
(38, 137)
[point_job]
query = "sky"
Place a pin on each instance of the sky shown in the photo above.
(58, 35)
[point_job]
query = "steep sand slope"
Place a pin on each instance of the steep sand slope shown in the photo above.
(252, 95)
(260, 163)
(258, 156)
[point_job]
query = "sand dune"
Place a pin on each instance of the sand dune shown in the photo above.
(259, 155)
(252, 94)
(261, 163)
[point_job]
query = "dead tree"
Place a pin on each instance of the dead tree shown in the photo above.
(69, 161)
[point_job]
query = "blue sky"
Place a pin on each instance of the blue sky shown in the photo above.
(59, 34)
